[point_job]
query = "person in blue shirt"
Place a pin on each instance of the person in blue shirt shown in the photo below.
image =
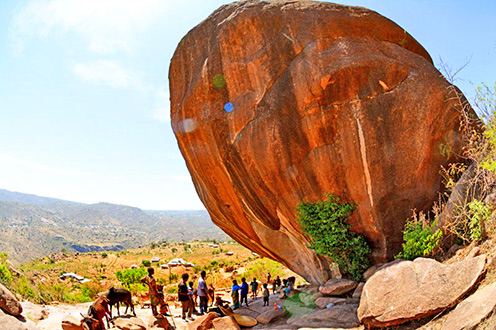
(235, 294)
(244, 292)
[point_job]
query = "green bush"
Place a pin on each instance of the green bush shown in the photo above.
(146, 263)
(5, 276)
(325, 223)
(420, 238)
(131, 276)
(480, 214)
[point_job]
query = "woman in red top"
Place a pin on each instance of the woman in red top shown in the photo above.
(152, 290)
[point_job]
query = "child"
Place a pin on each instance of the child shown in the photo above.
(265, 295)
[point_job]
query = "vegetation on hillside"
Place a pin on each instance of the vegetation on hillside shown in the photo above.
(325, 223)
(469, 185)
(40, 282)
(49, 226)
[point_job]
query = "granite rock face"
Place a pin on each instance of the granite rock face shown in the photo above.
(408, 290)
(276, 102)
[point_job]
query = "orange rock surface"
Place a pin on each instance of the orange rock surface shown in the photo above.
(277, 102)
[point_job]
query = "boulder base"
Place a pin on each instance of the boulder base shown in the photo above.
(406, 290)
(270, 316)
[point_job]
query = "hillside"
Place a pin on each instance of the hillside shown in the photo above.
(34, 226)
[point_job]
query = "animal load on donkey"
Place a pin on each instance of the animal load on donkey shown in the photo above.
(119, 295)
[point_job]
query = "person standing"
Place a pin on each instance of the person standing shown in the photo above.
(183, 297)
(203, 292)
(152, 290)
(235, 294)
(244, 292)
(268, 278)
(254, 288)
(265, 295)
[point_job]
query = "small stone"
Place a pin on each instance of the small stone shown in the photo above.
(38, 315)
(270, 316)
(225, 323)
(158, 322)
(336, 287)
(474, 252)
(325, 301)
(204, 322)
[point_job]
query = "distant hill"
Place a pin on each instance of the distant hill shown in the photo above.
(32, 226)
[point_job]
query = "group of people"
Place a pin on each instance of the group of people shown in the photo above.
(242, 290)
(187, 294)
(235, 293)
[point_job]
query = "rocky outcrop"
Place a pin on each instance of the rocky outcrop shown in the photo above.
(270, 316)
(406, 290)
(470, 312)
(8, 302)
(276, 102)
(341, 316)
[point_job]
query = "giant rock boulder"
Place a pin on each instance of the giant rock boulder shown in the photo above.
(407, 290)
(278, 102)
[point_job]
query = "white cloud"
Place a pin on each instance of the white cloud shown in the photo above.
(161, 109)
(107, 73)
(106, 26)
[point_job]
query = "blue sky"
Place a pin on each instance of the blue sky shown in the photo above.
(84, 110)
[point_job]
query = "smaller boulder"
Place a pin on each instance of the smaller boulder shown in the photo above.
(132, 323)
(270, 316)
(204, 322)
(409, 290)
(225, 323)
(472, 310)
(8, 302)
(336, 287)
(358, 291)
(325, 301)
(71, 323)
(158, 323)
(38, 315)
